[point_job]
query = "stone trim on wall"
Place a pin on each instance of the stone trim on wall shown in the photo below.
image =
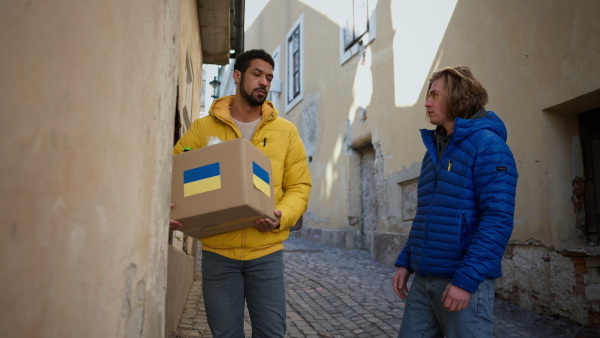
(399, 187)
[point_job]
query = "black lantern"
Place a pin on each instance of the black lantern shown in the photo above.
(215, 84)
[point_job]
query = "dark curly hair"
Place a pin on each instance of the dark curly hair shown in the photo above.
(465, 96)
(243, 60)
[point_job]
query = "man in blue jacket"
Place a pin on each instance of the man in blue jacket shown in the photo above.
(465, 208)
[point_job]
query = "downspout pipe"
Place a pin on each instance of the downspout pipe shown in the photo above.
(238, 23)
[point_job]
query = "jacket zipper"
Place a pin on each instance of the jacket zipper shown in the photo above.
(426, 230)
(257, 142)
(261, 124)
(243, 253)
(435, 182)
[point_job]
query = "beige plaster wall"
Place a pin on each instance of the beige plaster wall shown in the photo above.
(528, 59)
(181, 263)
(87, 101)
(531, 56)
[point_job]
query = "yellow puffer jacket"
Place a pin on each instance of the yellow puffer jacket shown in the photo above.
(291, 178)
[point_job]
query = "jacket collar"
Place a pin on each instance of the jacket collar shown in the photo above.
(220, 110)
(466, 127)
(462, 129)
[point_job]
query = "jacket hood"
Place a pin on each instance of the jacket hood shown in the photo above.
(464, 128)
(220, 109)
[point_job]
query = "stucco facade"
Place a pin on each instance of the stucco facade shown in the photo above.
(87, 115)
(89, 96)
(182, 255)
(360, 114)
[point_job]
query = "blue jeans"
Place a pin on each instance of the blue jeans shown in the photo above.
(425, 316)
(226, 283)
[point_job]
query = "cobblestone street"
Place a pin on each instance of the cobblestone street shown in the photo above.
(339, 293)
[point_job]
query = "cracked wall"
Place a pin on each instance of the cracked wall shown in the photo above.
(552, 283)
(309, 129)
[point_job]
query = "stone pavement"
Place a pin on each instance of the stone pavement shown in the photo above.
(339, 293)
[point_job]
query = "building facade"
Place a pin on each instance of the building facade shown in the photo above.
(90, 92)
(352, 76)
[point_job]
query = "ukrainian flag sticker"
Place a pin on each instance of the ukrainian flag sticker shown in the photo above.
(202, 179)
(261, 179)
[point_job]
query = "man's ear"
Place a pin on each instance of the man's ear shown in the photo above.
(237, 75)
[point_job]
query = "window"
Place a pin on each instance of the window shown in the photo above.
(188, 90)
(295, 65)
(589, 129)
(357, 24)
(275, 92)
(359, 28)
(409, 200)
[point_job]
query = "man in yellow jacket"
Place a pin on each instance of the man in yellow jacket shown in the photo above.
(248, 264)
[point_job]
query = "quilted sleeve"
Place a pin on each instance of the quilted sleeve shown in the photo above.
(403, 259)
(494, 181)
(296, 182)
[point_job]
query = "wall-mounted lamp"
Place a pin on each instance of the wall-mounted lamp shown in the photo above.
(215, 84)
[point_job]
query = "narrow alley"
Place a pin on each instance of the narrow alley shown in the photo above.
(339, 293)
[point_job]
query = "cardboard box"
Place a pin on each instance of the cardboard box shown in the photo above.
(221, 188)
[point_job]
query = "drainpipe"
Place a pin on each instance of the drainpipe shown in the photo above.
(238, 24)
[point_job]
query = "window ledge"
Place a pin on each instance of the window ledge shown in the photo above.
(360, 45)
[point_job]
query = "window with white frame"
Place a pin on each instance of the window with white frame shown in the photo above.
(358, 30)
(294, 65)
(275, 92)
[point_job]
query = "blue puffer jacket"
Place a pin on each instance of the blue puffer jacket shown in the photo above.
(465, 205)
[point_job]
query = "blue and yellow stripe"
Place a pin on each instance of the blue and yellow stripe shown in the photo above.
(261, 179)
(201, 179)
